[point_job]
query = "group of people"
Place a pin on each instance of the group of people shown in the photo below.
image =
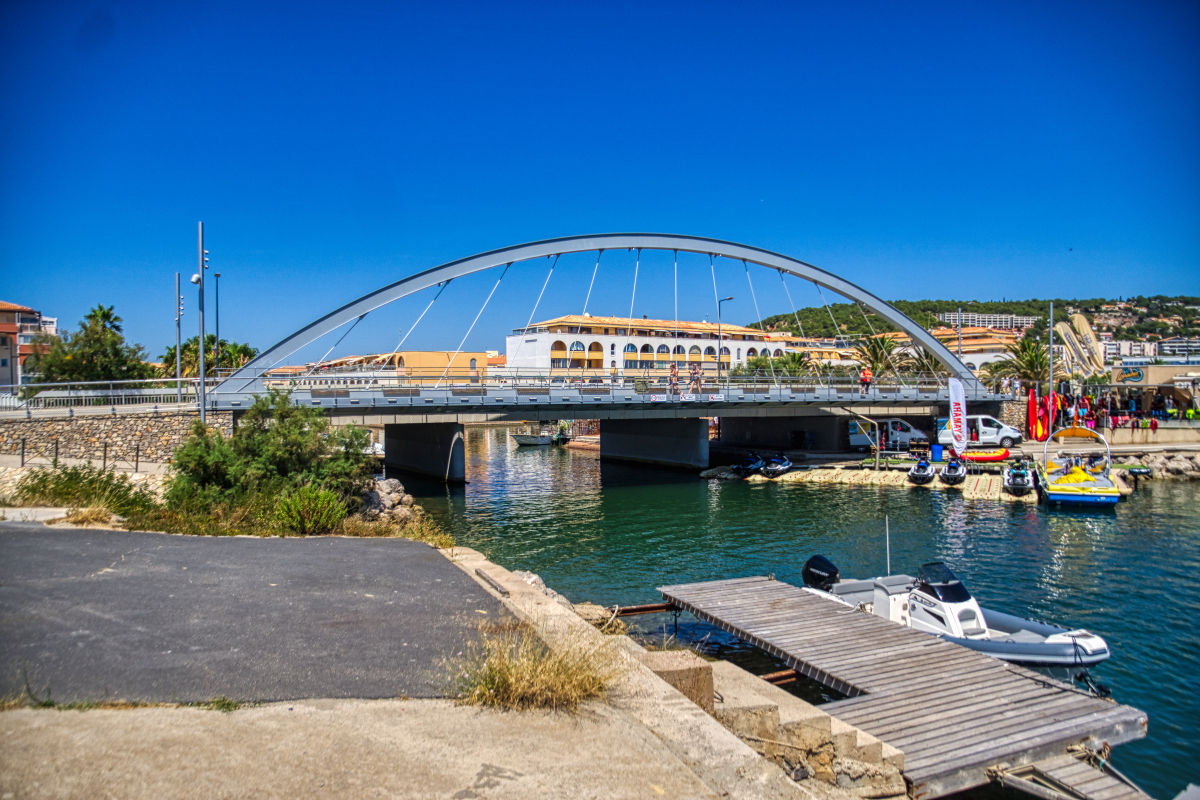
(693, 382)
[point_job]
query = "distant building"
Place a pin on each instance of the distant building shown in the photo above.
(19, 328)
(608, 345)
(406, 366)
(1179, 346)
(1117, 348)
(1009, 322)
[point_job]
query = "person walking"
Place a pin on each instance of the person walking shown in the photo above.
(694, 385)
(673, 386)
(865, 377)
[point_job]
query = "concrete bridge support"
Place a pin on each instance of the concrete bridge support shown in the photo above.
(669, 442)
(430, 448)
(821, 431)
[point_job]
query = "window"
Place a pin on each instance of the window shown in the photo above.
(710, 352)
(613, 365)
(751, 353)
(779, 354)
(612, 349)
(739, 354)
(576, 347)
(664, 350)
(725, 351)
(631, 356)
(473, 365)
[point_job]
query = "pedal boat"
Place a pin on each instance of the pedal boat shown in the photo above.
(1075, 479)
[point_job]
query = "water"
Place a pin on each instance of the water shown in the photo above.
(611, 533)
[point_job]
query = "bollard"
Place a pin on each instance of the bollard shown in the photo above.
(137, 452)
(22, 451)
(56, 452)
(104, 463)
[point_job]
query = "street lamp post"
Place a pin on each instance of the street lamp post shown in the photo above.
(178, 319)
(217, 314)
(198, 279)
(719, 338)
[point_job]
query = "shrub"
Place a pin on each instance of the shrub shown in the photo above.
(512, 668)
(84, 486)
(310, 511)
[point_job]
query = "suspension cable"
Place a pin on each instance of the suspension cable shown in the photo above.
(335, 344)
(468, 333)
(629, 331)
(796, 316)
(676, 291)
(404, 338)
(830, 310)
(535, 308)
(876, 337)
(759, 315)
(595, 269)
(712, 269)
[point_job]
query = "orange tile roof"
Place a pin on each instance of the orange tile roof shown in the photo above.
(636, 322)
(4, 306)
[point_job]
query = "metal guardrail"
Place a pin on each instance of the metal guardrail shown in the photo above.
(515, 388)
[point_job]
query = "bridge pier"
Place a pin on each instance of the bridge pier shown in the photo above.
(821, 431)
(669, 442)
(430, 448)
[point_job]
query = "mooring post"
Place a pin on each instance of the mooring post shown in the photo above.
(104, 463)
(56, 451)
(22, 451)
(137, 452)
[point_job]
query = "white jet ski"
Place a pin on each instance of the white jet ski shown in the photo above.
(953, 473)
(921, 473)
(1018, 479)
(936, 602)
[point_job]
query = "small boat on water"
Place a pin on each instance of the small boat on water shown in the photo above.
(749, 465)
(938, 603)
(953, 473)
(1083, 479)
(921, 473)
(1018, 479)
(531, 439)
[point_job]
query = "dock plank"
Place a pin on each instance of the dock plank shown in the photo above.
(952, 711)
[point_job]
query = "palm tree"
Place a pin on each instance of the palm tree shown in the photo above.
(104, 317)
(880, 353)
(1028, 360)
(925, 363)
(233, 355)
(794, 364)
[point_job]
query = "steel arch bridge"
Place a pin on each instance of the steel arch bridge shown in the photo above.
(248, 379)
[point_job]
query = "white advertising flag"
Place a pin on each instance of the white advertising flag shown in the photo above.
(958, 416)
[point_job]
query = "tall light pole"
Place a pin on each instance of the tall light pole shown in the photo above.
(959, 323)
(198, 279)
(217, 314)
(178, 319)
(727, 299)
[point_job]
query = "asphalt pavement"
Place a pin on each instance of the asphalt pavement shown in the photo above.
(94, 614)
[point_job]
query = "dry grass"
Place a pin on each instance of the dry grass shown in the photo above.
(92, 515)
(368, 529)
(422, 529)
(511, 668)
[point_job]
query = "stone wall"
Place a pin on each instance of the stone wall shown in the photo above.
(1014, 413)
(151, 437)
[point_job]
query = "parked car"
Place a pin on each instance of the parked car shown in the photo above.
(981, 429)
(900, 435)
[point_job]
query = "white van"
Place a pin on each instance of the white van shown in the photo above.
(981, 430)
(900, 435)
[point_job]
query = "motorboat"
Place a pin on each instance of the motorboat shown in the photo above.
(1019, 479)
(777, 465)
(1083, 479)
(562, 438)
(953, 473)
(532, 439)
(937, 602)
(921, 473)
(749, 465)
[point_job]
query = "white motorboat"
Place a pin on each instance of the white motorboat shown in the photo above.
(937, 602)
(531, 439)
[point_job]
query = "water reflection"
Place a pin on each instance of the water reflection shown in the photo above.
(611, 533)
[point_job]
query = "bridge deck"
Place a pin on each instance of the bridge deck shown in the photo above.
(953, 712)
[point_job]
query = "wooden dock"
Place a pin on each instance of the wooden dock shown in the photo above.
(953, 712)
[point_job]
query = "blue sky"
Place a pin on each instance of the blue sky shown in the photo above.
(980, 150)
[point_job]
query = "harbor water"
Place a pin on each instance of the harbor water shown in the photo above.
(610, 533)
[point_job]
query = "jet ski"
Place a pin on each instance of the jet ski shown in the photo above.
(953, 473)
(749, 465)
(922, 473)
(777, 465)
(938, 603)
(1018, 479)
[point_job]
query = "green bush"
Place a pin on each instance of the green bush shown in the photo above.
(310, 511)
(276, 447)
(83, 486)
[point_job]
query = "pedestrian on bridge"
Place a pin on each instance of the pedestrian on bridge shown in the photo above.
(694, 386)
(673, 387)
(865, 377)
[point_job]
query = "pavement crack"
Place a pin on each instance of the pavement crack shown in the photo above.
(109, 568)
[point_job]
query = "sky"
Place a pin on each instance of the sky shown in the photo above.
(929, 150)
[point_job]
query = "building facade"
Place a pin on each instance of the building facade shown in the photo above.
(611, 345)
(1180, 347)
(1114, 349)
(1009, 322)
(19, 328)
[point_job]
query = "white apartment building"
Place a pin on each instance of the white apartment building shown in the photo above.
(1120, 348)
(1009, 322)
(610, 345)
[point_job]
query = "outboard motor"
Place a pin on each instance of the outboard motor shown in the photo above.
(820, 573)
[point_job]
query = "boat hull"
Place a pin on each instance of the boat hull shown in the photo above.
(1089, 497)
(527, 440)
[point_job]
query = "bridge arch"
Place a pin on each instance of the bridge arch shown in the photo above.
(272, 356)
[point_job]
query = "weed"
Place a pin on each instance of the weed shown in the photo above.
(311, 511)
(92, 515)
(424, 529)
(83, 486)
(222, 704)
(512, 668)
(368, 529)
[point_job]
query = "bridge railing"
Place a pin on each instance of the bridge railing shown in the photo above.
(101, 395)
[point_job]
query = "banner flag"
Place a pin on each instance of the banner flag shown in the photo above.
(958, 416)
